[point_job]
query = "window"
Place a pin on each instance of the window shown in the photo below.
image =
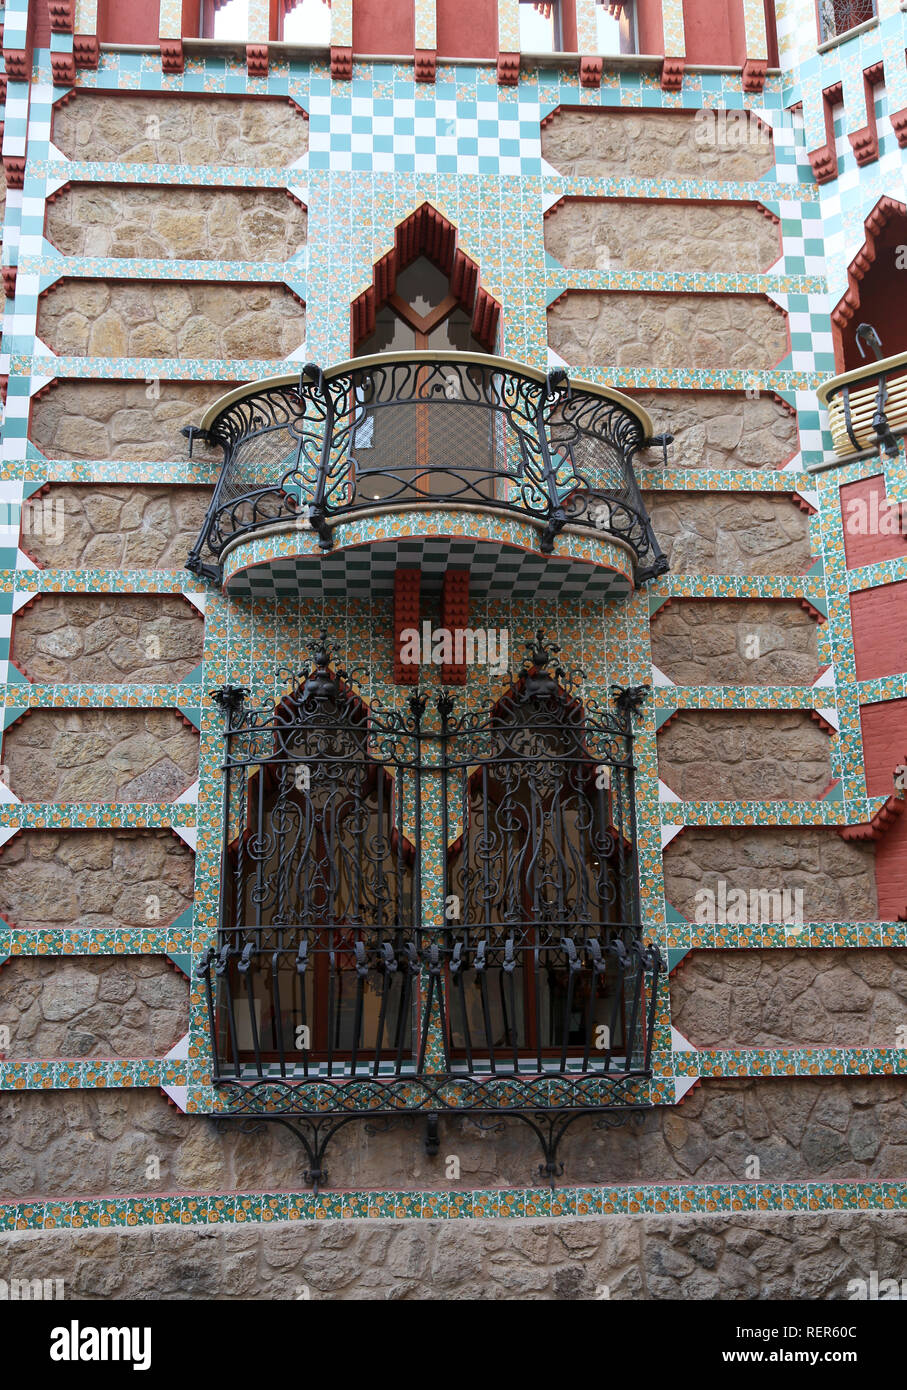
(615, 27)
(421, 313)
(307, 22)
(546, 25)
(540, 26)
(317, 880)
(226, 19)
(544, 875)
(838, 16)
(414, 444)
(324, 964)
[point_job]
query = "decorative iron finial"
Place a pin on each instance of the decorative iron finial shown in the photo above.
(629, 699)
(230, 699)
(320, 684)
(540, 683)
(417, 704)
(540, 651)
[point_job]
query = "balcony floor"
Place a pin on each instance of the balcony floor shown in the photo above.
(501, 553)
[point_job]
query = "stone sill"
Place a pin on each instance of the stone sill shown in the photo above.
(845, 460)
(863, 28)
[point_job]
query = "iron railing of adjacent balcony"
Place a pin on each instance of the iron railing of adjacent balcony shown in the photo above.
(397, 431)
(837, 17)
(867, 407)
(332, 993)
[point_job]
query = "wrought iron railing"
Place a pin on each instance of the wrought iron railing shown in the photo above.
(397, 430)
(839, 16)
(528, 989)
(867, 407)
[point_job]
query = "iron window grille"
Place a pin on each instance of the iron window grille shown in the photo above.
(331, 992)
(837, 17)
(393, 431)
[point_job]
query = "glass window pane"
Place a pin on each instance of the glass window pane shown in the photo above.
(422, 285)
(615, 32)
(391, 335)
(231, 21)
(309, 21)
(538, 27)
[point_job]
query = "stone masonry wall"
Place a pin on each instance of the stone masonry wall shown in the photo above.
(121, 318)
(638, 329)
(720, 429)
(714, 642)
(92, 1006)
(744, 755)
(100, 755)
(113, 526)
(67, 638)
(665, 144)
(731, 532)
(121, 421)
(68, 1144)
(764, 1255)
(181, 129)
(780, 998)
(632, 234)
(199, 224)
(104, 879)
(836, 876)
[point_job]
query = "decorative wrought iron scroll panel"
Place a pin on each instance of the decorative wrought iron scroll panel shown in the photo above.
(535, 989)
(457, 430)
(542, 884)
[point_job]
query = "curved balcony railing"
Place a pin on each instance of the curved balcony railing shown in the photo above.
(397, 430)
(867, 407)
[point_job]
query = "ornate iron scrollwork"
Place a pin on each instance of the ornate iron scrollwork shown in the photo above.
(332, 992)
(454, 429)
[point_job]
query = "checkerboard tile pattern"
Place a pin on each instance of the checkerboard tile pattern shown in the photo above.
(494, 570)
(447, 134)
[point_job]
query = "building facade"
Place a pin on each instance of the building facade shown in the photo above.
(454, 706)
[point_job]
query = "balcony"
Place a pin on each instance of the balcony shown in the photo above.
(339, 988)
(867, 407)
(399, 452)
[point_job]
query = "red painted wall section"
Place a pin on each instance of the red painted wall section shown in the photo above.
(650, 28)
(881, 294)
(569, 41)
(884, 748)
(192, 19)
(771, 33)
(384, 26)
(714, 32)
(884, 743)
(467, 28)
(879, 621)
(736, 31)
(129, 21)
(868, 523)
(39, 25)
